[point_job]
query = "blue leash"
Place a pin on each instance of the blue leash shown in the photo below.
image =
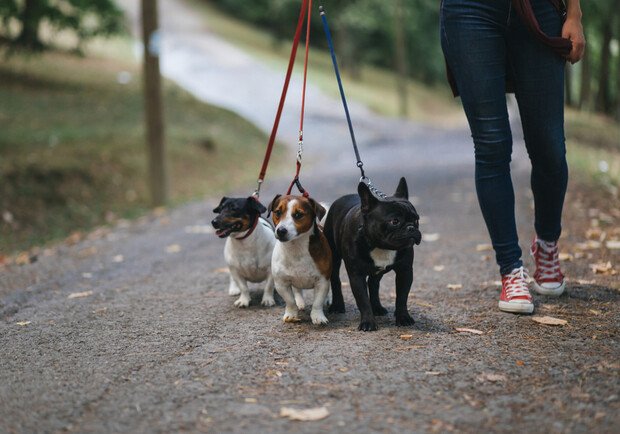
(360, 164)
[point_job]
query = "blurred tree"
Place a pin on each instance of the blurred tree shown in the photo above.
(87, 18)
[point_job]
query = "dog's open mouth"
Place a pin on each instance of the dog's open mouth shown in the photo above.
(224, 232)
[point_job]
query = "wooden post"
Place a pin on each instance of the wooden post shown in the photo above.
(153, 104)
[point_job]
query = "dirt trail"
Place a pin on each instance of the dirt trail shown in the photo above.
(152, 342)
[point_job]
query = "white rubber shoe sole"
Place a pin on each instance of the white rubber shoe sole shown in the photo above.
(555, 292)
(516, 307)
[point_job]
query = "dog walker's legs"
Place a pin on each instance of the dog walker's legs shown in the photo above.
(299, 298)
(268, 299)
(320, 294)
(233, 289)
(290, 311)
(244, 298)
(373, 291)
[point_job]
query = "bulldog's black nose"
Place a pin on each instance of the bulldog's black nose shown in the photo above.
(281, 232)
(410, 228)
(215, 223)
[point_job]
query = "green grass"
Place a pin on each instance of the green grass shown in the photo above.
(72, 152)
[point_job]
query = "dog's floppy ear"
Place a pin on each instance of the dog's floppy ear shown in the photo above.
(273, 204)
(253, 204)
(219, 207)
(367, 198)
(319, 210)
(402, 191)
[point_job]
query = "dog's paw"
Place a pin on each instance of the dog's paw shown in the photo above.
(379, 311)
(290, 316)
(368, 326)
(318, 317)
(242, 301)
(404, 320)
(336, 308)
(268, 301)
(233, 290)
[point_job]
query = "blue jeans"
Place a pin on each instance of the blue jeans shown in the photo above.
(484, 42)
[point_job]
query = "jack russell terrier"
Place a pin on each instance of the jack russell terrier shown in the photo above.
(249, 245)
(301, 257)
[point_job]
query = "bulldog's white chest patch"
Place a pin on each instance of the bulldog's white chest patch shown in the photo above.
(383, 258)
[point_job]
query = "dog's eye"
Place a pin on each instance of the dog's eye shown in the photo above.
(297, 215)
(394, 222)
(277, 213)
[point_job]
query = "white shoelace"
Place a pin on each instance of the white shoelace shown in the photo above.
(516, 284)
(547, 261)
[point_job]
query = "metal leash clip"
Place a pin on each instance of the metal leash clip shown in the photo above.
(374, 190)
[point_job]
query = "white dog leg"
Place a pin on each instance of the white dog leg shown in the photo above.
(291, 313)
(233, 288)
(244, 298)
(299, 298)
(268, 299)
(320, 294)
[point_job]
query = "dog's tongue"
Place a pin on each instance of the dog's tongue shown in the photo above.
(222, 233)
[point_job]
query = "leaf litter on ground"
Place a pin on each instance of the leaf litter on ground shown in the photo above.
(80, 294)
(468, 330)
(305, 415)
(549, 320)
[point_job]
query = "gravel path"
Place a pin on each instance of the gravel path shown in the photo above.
(131, 329)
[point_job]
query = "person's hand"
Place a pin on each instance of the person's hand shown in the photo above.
(573, 30)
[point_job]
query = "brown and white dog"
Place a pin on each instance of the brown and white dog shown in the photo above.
(302, 258)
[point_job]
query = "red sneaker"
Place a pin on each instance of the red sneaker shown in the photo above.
(548, 278)
(515, 296)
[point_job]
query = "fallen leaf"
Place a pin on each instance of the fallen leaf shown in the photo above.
(595, 312)
(406, 337)
(520, 363)
(494, 378)
(251, 400)
(118, 258)
(308, 414)
(344, 369)
(421, 303)
(565, 257)
(549, 320)
(483, 247)
(603, 268)
(467, 330)
(433, 373)
(454, 286)
(222, 270)
(74, 238)
(173, 248)
(80, 294)
(612, 244)
(22, 259)
(430, 237)
(588, 245)
(22, 323)
(585, 282)
(439, 267)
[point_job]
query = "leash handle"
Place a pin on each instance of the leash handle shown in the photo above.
(289, 71)
(328, 35)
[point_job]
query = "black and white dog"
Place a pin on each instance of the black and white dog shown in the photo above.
(249, 246)
(373, 235)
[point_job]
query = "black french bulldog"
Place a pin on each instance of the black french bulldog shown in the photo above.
(373, 236)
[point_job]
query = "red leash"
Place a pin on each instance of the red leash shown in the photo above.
(303, 105)
(289, 71)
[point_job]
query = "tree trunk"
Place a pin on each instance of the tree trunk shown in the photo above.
(153, 104)
(400, 46)
(603, 100)
(585, 90)
(30, 18)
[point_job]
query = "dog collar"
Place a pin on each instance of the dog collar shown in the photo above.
(251, 229)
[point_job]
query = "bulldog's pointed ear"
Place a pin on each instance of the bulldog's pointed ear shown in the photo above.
(402, 191)
(253, 204)
(219, 207)
(319, 210)
(368, 200)
(273, 205)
